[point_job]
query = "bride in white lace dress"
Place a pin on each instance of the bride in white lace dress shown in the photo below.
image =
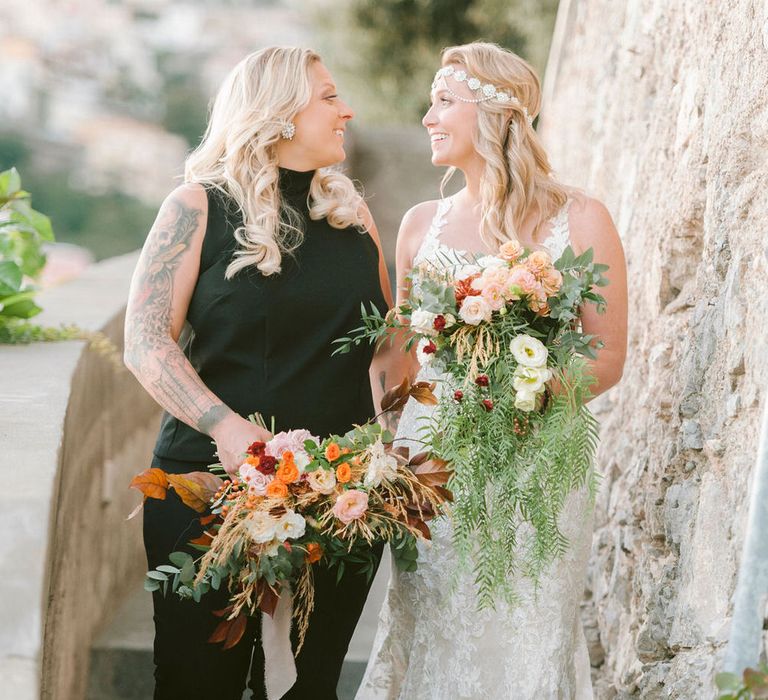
(432, 642)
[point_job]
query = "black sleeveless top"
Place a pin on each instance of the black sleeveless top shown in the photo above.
(264, 343)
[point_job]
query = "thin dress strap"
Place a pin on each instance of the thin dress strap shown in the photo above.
(430, 242)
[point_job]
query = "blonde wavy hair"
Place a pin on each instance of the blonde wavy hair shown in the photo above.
(238, 157)
(517, 178)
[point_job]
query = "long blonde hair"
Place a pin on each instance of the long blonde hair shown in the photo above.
(517, 178)
(238, 157)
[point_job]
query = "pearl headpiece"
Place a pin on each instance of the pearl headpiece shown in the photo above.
(489, 92)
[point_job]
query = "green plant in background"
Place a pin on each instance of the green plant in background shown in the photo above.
(23, 231)
(22, 234)
(386, 52)
(752, 684)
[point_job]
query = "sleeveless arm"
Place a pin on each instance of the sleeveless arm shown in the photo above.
(391, 364)
(592, 227)
(158, 301)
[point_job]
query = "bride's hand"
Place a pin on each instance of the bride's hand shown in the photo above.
(233, 435)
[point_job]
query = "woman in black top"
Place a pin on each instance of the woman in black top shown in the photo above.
(267, 259)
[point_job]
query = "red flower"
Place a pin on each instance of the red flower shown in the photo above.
(464, 289)
(458, 395)
(429, 348)
(481, 380)
(439, 322)
(256, 449)
(267, 464)
(488, 405)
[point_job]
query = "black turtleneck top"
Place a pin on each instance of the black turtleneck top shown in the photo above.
(264, 343)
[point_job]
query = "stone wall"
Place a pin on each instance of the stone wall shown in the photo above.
(74, 430)
(661, 110)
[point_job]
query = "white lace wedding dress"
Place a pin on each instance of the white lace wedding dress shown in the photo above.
(432, 643)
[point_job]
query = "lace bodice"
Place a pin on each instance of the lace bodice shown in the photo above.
(432, 642)
(433, 250)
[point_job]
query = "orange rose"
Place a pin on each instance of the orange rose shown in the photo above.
(345, 450)
(288, 472)
(277, 489)
(253, 461)
(314, 552)
(332, 452)
(343, 473)
(287, 456)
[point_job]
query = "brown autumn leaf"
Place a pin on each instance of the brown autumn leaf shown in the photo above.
(230, 631)
(268, 598)
(396, 397)
(433, 472)
(420, 511)
(418, 459)
(224, 612)
(423, 393)
(152, 482)
(208, 481)
(401, 451)
(421, 526)
(192, 493)
(445, 493)
(205, 539)
(208, 519)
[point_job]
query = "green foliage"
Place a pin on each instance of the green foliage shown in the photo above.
(386, 52)
(753, 683)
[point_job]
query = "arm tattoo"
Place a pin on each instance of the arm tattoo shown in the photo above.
(150, 350)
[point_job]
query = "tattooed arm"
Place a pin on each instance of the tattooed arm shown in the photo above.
(161, 288)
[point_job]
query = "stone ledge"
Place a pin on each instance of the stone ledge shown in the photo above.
(52, 428)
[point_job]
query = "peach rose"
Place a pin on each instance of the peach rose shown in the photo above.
(332, 452)
(538, 261)
(510, 250)
(551, 280)
(351, 505)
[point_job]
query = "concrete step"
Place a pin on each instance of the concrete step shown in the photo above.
(121, 659)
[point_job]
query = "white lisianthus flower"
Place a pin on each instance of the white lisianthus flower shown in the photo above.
(488, 261)
(465, 271)
(424, 357)
(322, 480)
(530, 379)
(290, 526)
(529, 351)
(474, 310)
(260, 527)
(423, 322)
(525, 400)
(381, 466)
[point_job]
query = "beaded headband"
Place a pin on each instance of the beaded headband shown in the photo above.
(489, 92)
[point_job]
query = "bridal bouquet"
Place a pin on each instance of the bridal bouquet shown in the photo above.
(297, 501)
(498, 331)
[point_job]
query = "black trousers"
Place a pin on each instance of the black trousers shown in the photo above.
(189, 667)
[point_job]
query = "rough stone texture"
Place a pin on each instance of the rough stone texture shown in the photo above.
(661, 110)
(73, 431)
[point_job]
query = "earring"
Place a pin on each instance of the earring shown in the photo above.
(288, 131)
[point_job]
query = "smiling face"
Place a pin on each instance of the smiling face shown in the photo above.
(320, 126)
(452, 125)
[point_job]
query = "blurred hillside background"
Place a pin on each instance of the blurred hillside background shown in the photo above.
(103, 99)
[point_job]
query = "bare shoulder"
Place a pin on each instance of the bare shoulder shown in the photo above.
(191, 195)
(414, 226)
(591, 224)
